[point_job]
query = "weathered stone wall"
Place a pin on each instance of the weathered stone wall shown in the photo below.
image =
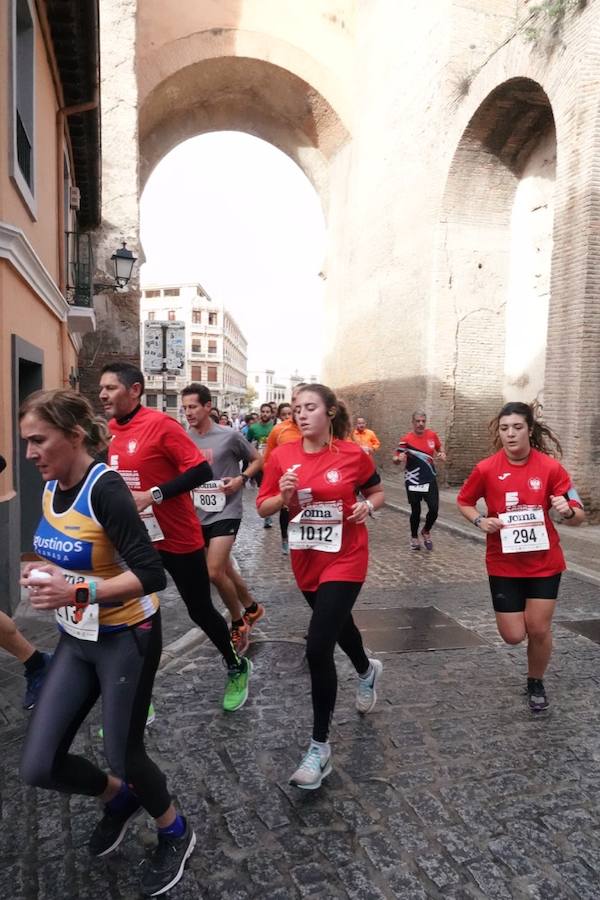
(455, 162)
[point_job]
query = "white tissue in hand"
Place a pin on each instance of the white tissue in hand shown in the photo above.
(37, 575)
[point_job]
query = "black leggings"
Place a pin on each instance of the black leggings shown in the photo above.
(432, 499)
(284, 521)
(119, 666)
(190, 574)
(331, 622)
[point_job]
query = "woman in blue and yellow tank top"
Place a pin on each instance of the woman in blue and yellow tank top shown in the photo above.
(98, 572)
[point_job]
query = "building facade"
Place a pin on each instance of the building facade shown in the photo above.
(215, 348)
(49, 201)
(272, 387)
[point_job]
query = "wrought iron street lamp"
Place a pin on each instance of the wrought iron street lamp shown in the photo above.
(123, 261)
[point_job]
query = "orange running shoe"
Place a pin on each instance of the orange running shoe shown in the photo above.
(240, 638)
(251, 618)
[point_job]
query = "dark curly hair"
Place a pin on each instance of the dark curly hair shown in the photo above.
(541, 437)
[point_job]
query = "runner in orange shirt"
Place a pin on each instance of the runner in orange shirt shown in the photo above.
(366, 439)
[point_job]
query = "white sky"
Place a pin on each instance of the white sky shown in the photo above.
(237, 215)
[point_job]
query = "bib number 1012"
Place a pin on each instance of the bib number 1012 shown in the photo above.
(320, 533)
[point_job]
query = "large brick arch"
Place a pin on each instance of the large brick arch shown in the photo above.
(242, 94)
(505, 142)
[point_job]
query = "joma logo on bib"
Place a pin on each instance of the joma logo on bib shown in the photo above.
(521, 517)
(317, 514)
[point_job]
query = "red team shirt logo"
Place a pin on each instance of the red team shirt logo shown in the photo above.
(535, 484)
(333, 476)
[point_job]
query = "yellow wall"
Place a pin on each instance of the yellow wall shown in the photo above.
(42, 233)
(22, 311)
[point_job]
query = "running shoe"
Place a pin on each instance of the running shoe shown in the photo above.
(251, 618)
(426, 535)
(268, 522)
(415, 544)
(312, 770)
(164, 867)
(536, 692)
(236, 691)
(240, 637)
(35, 681)
(285, 547)
(110, 830)
(366, 694)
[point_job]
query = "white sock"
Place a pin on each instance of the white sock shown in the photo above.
(324, 748)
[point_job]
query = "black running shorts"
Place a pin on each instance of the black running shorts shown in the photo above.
(222, 528)
(510, 595)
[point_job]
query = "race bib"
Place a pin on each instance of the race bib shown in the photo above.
(79, 623)
(422, 488)
(151, 522)
(524, 530)
(317, 527)
(209, 497)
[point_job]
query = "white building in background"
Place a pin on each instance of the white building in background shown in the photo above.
(271, 387)
(215, 348)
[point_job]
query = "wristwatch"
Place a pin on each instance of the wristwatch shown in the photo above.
(82, 594)
(244, 477)
(477, 521)
(371, 507)
(157, 495)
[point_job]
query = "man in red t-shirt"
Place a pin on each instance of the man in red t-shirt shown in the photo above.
(161, 465)
(416, 453)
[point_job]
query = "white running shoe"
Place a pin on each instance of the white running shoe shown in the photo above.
(312, 770)
(366, 695)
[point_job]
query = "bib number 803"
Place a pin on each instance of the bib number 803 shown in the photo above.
(321, 533)
(207, 499)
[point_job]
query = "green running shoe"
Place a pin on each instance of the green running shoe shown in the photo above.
(236, 691)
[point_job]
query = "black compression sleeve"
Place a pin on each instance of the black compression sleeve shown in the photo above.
(116, 511)
(187, 481)
(372, 481)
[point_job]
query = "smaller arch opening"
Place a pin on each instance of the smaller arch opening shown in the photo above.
(494, 265)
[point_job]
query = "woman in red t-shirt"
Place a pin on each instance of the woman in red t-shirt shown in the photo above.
(318, 478)
(520, 484)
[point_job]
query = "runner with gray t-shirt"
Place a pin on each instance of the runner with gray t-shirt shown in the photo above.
(219, 507)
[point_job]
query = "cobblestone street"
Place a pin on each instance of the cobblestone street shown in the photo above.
(449, 789)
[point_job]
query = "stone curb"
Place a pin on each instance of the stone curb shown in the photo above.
(473, 535)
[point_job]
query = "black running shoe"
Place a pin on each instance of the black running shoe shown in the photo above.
(35, 681)
(536, 693)
(164, 867)
(110, 830)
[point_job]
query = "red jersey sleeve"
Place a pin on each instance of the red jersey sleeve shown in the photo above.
(179, 447)
(560, 483)
(472, 490)
(272, 472)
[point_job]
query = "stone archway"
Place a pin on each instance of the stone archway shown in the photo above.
(271, 75)
(492, 280)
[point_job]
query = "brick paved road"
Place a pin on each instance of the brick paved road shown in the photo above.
(448, 790)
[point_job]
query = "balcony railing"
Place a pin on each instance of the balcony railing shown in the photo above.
(79, 269)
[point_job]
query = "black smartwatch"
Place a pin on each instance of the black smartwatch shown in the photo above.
(244, 477)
